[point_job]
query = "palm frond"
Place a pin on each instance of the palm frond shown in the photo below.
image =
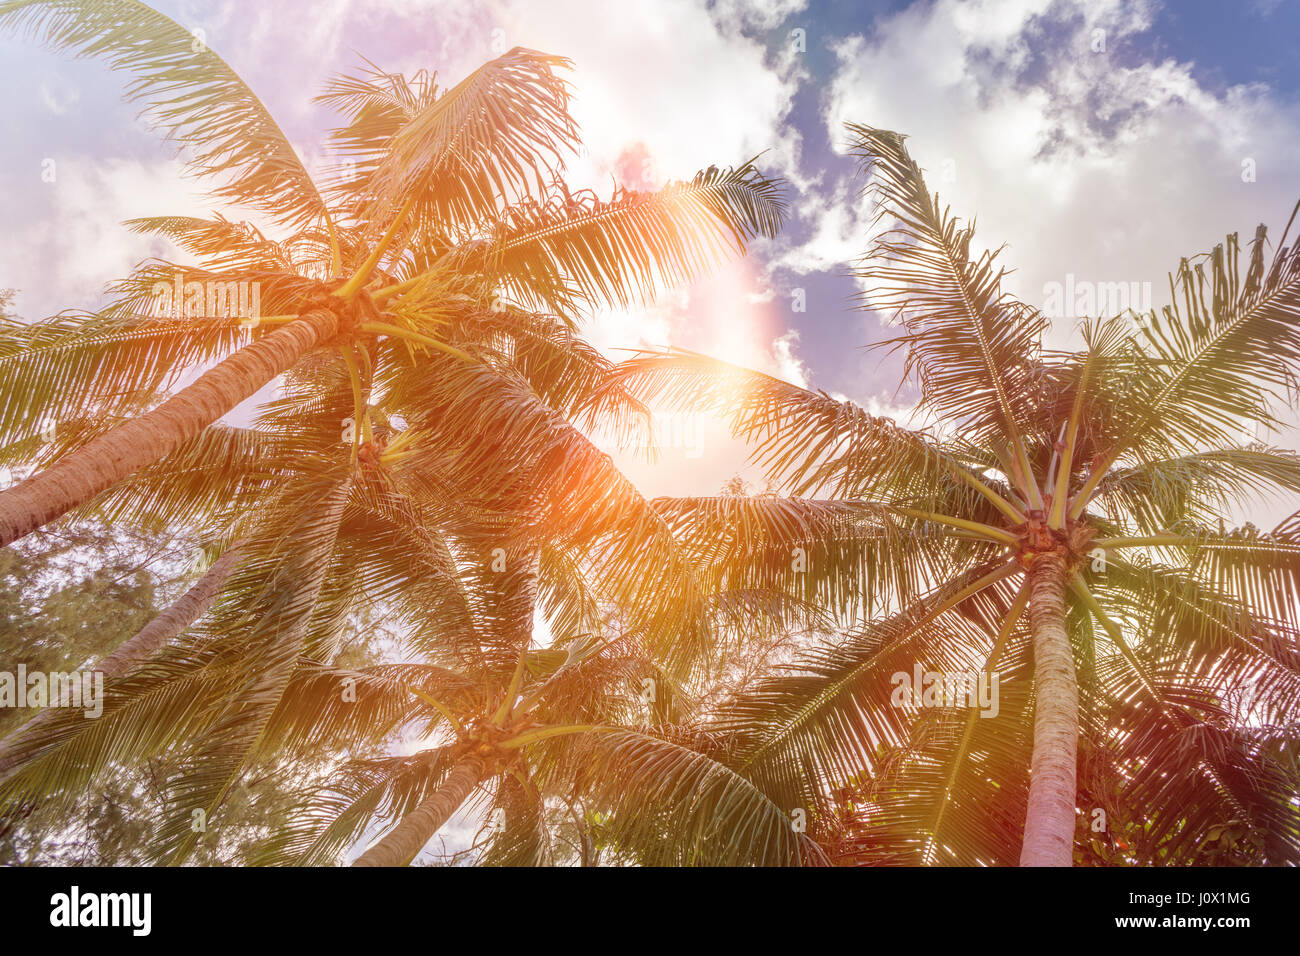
(188, 90)
(634, 243)
(970, 343)
(485, 140)
(670, 805)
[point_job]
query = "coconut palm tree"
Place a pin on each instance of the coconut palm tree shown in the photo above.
(254, 682)
(325, 528)
(570, 721)
(394, 533)
(455, 393)
(457, 263)
(449, 202)
(1059, 521)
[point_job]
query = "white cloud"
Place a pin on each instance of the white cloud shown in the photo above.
(669, 78)
(756, 14)
(1083, 162)
(789, 366)
(840, 219)
(76, 244)
(59, 98)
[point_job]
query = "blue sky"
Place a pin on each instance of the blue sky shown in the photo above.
(1103, 165)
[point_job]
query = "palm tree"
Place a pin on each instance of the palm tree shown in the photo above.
(456, 395)
(456, 205)
(254, 683)
(1060, 522)
(556, 722)
(325, 531)
(395, 533)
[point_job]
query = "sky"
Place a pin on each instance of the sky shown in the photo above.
(1099, 141)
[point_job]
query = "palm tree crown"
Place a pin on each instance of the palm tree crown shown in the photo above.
(1058, 525)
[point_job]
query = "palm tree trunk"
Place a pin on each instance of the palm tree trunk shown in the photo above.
(117, 454)
(401, 845)
(1050, 816)
(187, 609)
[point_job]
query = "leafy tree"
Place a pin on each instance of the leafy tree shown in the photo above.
(68, 598)
(69, 594)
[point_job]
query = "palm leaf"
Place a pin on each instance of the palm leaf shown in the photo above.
(189, 91)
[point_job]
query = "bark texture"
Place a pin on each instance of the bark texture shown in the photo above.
(117, 454)
(417, 828)
(1050, 816)
(158, 632)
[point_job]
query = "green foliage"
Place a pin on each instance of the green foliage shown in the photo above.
(67, 599)
(1122, 458)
